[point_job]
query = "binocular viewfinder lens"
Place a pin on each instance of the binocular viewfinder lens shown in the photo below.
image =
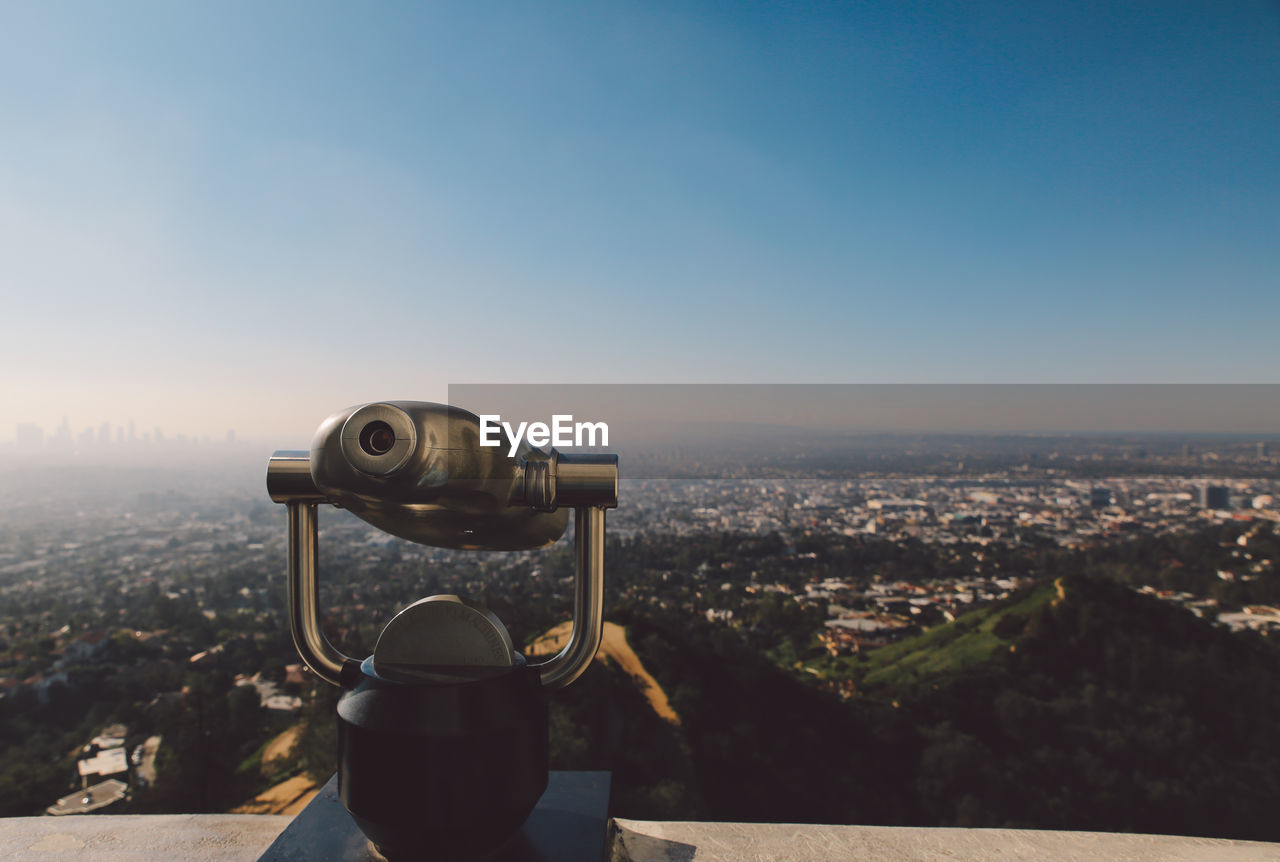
(377, 438)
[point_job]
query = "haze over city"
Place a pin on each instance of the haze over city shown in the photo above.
(238, 217)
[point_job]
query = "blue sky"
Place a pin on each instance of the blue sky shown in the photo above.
(243, 215)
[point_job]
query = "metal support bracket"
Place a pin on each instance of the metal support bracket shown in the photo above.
(289, 482)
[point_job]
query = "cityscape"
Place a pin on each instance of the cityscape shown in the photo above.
(935, 343)
(30, 438)
(183, 574)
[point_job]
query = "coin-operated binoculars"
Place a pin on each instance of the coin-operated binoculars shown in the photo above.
(442, 732)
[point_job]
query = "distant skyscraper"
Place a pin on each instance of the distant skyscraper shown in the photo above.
(1214, 497)
(1187, 450)
(62, 437)
(1100, 498)
(1264, 451)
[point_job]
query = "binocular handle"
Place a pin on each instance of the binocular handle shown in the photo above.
(289, 482)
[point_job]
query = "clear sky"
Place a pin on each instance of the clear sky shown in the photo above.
(247, 215)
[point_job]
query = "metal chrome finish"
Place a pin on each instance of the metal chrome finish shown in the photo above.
(289, 478)
(443, 731)
(304, 596)
(586, 480)
(437, 485)
(368, 460)
(442, 639)
(588, 602)
(569, 480)
(445, 492)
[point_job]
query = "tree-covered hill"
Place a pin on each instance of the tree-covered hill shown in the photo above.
(1080, 705)
(1110, 711)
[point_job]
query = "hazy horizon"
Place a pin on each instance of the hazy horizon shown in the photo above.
(649, 412)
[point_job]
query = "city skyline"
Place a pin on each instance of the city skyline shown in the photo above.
(244, 217)
(29, 435)
(697, 414)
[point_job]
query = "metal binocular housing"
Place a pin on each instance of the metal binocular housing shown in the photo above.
(443, 730)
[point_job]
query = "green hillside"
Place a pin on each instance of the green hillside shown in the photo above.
(971, 640)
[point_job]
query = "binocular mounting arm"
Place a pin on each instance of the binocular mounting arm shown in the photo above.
(289, 482)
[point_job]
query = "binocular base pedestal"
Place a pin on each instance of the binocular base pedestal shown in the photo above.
(568, 824)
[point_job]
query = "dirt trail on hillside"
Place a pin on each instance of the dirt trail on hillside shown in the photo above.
(280, 746)
(613, 647)
(287, 797)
